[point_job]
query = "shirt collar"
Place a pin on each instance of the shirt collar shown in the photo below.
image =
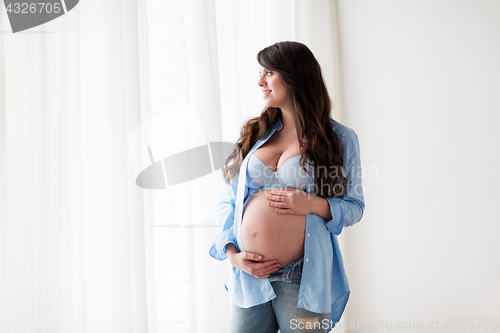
(277, 125)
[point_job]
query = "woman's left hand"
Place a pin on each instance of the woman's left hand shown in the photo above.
(291, 201)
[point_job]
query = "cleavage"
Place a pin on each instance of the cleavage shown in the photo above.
(275, 167)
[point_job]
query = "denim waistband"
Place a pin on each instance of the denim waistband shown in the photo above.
(284, 274)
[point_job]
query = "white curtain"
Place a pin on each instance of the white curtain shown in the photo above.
(89, 102)
(72, 236)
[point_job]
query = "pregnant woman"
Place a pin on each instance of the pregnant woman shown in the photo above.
(293, 183)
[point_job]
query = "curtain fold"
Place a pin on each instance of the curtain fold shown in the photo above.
(72, 233)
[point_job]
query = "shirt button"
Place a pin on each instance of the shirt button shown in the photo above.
(308, 235)
(307, 260)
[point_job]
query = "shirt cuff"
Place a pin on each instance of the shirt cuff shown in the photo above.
(218, 249)
(337, 209)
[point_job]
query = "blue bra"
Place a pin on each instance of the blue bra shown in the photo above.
(289, 175)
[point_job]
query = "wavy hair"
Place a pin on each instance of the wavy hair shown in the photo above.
(311, 103)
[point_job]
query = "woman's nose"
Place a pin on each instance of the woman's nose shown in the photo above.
(262, 82)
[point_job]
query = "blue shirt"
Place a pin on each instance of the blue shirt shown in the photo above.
(324, 287)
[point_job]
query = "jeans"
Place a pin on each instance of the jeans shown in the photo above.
(282, 312)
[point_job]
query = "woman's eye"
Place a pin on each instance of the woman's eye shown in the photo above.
(268, 73)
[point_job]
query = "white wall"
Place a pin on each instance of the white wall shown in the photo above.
(420, 85)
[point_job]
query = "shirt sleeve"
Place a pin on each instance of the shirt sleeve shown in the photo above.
(224, 215)
(348, 209)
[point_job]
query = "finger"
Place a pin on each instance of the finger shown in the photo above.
(293, 191)
(255, 268)
(278, 204)
(261, 276)
(271, 264)
(284, 211)
(281, 192)
(273, 269)
(252, 256)
(263, 266)
(276, 198)
(296, 190)
(268, 271)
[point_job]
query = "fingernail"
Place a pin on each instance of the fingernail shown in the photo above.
(259, 257)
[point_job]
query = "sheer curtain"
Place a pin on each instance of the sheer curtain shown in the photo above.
(90, 101)
(72, 236)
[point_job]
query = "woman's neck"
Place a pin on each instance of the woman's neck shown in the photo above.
(287, 121)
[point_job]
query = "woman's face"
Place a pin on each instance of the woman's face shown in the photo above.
(274, 90)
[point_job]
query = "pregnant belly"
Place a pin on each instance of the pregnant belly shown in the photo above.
(273, 235)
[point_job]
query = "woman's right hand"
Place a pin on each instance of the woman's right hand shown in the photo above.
(250, 262)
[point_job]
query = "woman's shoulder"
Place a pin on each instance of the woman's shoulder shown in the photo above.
(346, 134)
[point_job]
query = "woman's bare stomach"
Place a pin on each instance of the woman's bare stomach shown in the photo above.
(273, 235)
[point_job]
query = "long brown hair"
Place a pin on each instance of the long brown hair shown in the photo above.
(302, 75)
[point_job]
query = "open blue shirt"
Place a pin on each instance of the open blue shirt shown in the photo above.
(323, 287)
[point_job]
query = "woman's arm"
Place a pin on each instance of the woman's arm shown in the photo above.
(321, 207)
(224, 244)
(224, 215)
(348, 209)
